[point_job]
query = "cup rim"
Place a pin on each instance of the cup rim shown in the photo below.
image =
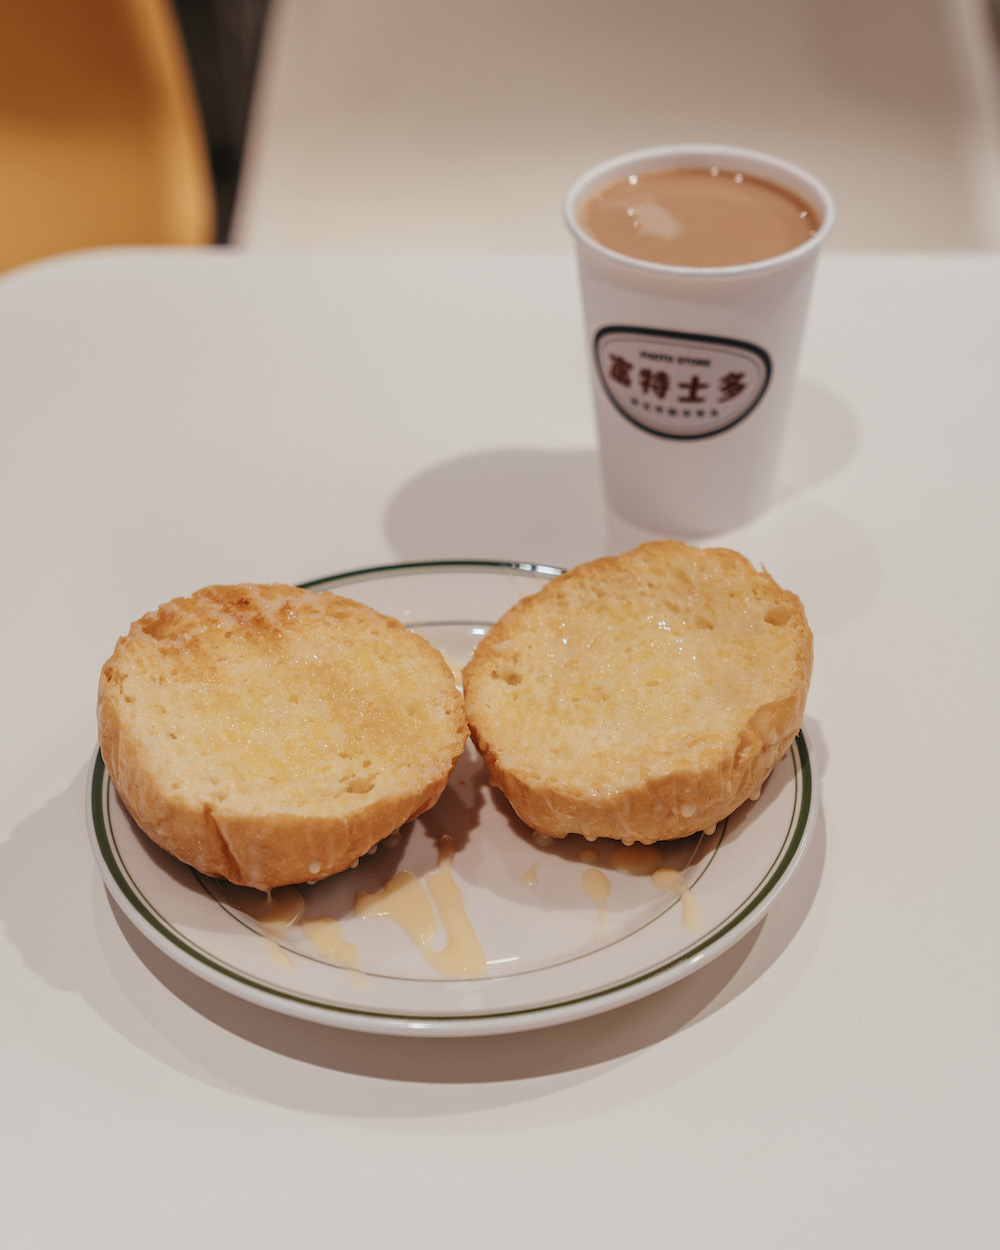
(764, 164)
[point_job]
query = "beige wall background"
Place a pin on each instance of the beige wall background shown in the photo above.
(458, 124)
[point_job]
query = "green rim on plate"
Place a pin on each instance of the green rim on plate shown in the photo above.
(156, 893)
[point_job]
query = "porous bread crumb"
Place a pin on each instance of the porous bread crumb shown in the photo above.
(641, 697)
(272, 735)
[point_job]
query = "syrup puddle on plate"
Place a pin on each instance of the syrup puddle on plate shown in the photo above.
(428, 904)
(597, 887)
(410, 902)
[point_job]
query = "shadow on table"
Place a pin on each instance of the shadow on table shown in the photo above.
(567, 1050)
(511, 503)
(546, 505)
(824, 435)
(72, 936)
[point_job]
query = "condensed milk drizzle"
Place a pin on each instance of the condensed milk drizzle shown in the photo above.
(597, 887)
(671, 879)
(404, 900)
(327, 939)
(278, 955)
(431, 908)
(279, 910)
(275, 912)
(636, 860)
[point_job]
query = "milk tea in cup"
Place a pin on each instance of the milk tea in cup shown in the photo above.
(696, 264)
(701, 216)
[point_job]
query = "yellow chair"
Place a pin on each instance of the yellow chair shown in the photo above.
(101, 139)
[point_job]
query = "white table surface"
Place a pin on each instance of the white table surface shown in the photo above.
(175, 419)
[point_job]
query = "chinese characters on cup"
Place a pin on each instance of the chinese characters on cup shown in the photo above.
(680, 386)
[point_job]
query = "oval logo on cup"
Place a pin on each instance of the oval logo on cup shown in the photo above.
(680, 385)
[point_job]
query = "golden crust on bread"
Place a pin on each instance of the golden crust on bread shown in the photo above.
(641, 697)
(271, 735)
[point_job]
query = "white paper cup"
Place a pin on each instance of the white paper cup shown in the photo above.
(701, 456)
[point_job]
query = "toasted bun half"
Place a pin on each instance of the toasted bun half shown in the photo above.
(272, 735)
(640, 697)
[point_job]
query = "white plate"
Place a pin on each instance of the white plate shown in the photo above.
(564, 928)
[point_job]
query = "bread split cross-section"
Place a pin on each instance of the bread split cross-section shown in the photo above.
(271, 735)
(641, 697)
